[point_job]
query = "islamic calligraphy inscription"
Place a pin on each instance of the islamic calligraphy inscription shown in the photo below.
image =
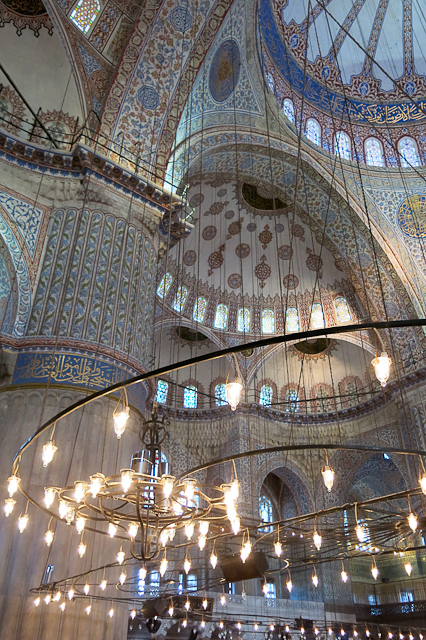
(412, 216)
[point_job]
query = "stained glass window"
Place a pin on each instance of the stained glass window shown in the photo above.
(352, 393)
(85, 13)
(323, 400)
(374, 153)
(317, 316)
(292, 400)
(292, 319)
(313, 131)
(180, 298)
(288, 109)
(219, 394)
(409, 155)
(190, 397)
(164, 285)
(200, 307)
(243, 320)
(342, 145)
(191, 582)
(266, 395)
(141, 583)
(265, 512)
(154, 583)
(342, 310)
(221, 316)
(272, 592)
(162, 390)
(268, 321)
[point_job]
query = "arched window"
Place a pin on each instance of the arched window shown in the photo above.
(288, 109)
(270, 80)
(313, 131)
(352, 393)
(291, 320)
(141, 582)
(268, 321)
(323, 400)
(162, 391)
(272, 591)
(409, 155)
(342, 310)
(374, 153)
(243, 319)
(180, 298)
(265, 512)
(292, 400)
(219, 394)
(190, 397)
(317, 316)
(342, 145)
(154, 583)
(85, 13)
(221, 317)
(200, 307)
(266, 395)
(164, 286)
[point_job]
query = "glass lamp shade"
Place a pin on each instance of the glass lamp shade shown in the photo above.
(328, 476)
(120, 421)
(233, 391)
(382, 366)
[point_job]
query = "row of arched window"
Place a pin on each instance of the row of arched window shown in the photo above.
(373, 148)
(244, 313)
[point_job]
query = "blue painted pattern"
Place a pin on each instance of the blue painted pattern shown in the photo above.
(225, 70)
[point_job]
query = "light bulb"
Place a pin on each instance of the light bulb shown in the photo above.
(187, 605)
(342, 632)
(86, 589)
(412, 521)
(189, 530)
(330, 631)
(213, 560)
(316, 631)
(203, 624)
(289, 585)
(171, 610)
(71, 594)
(133, 614)
(81, 549)
(96, 484)
(315, 580)
(48, 536)
(57, 596)
(204, 527)
(88, 609)
(328, 477)
(49, 497)
(221, 624)
(317, 540)
(360, 532)
(22, 522)
(367, 633)
(202, 542)
(111, 612)
(265, 588)
(238, 625)
(120, 421)
(382, 366)
(231, 512)
(164, 537)
(103, 584)
(13, 485)
(246, 550)
(233, 391)
(278, 548)
(62, 509)
(47, 453)
(80, 490)
(287, 628)
(255, 626)
(122, 577)
(223, 600)
(185, 623)
(205, 603)
(112, 529)
(375, 572)
(344, 576)
(37, 601)
(177, 508)
(168, 483)
(9, 503)
(120, 556)
(408, 568)
(142, 573)
(234, 489)
(271, 627)
(79, 524)
(235, 525)
(186, 566)
(133, 530)
(47, 598)
(189, 488)
(163, 566)
(62, 606)
(126, 479)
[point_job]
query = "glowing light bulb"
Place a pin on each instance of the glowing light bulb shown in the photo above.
(412, 521)
(120, 421)
(360, 532)
(344, 576)
(88, 609)
(126, 479)
(375, 572)
(47, 598)
(133, 530)
(278, 548)
(189, 489)
(189, 530)
(202, 624)
(315, 580)
(289, 585)
(22, 522)
(49, 497)
(112, 529)
(164, 537)
(71, 593)
(245, 551)
(221, 624)
(37, 601)
(213, 560)
(86, 589)
(185, 623)
(120, 556)
(9, 503)
(13, 485)
(96, 484)
(171, 610)
(367, 633)
(271, 627)
(204, 527)
(287, 628)
(382, 366)
(187, 605)
(342, 632)
(111, 613)
(168, 484)
(163, 566)
(80, 490)
(202, 542)
(142, 573)
(328, 477)
(122, 577)
(103, 584)
(265, 588)
(48, 452)
(186, 566)
(57, 596)
(238, 625)
(62, 606)
(205, 603)
(390, 635)
(408, 568)
(81, 549)
(316, 631)
(233, 391)
(317, 540)
(177, 508)
(79, 524)
(330, 631)
(63, 509)
(133, 614)
(235, 525)
(223, 600)
(255, 626)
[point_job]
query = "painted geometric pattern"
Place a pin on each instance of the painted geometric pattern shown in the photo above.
(85, 13)
(5, 293)
(27, 218)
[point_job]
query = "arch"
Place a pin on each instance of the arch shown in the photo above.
(190, 397)
(350, 387)
(292, 320)
(293, 476)
(313, 131)
(164, 286)
(342, 145)
(243, 319)
(200, 308)
(288, 395)
(374, 155)
(288, 109)
(317, 316)
(266, 512)
(266, 392)
(322, 395)
(180, 298)
(162, 391)
(342, 309)
(268, 321)
(8, 291)
(221, 316)
(84, 14)
(409, 154)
